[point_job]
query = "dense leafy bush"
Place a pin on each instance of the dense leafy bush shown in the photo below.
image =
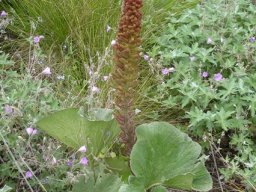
(212, 49)
(23, 149)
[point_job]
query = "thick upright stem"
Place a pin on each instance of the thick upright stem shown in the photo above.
(125, 73)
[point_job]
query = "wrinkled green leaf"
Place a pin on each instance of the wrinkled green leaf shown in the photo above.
(120, 166)
(74, 129)
(106, 183)
(163, 152)
(159, 189)
(133, 188)
(199, 179)
(136, 184)
(202, 180)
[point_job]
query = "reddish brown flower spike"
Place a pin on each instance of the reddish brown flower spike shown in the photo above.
(125, 72)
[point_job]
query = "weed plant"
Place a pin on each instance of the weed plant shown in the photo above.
(24, 99)
(207, 57)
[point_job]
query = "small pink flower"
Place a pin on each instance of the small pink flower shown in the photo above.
(95, 89)
(146, 57)
(28, 174)
(38, 38)
(209, 40)
(105, 78)
(69, 163)
(31, 131)
(47, 71)
(108, 28)
(3, 14)
(82, 149)
(205, 74)
(165, 71)
(218, 77)
(54, 161)
(8, 109)
(84, 161)
(113, 42)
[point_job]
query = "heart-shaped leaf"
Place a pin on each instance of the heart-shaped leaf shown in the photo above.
(163, 152)
(199, 179)
(106, 183)
(75, 129)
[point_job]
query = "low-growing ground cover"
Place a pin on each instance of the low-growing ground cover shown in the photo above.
(208, 57)
(200, 77)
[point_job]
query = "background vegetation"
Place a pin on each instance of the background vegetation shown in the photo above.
(215, 37)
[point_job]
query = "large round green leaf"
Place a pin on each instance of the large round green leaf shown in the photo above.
(95, 129)
(105, 182)
(162, 152)
(198, 179)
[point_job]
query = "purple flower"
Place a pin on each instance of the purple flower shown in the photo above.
(218, 77)
(69, 163)
(47, 71)
(146, 57)
(28, 174)
(252, 39)
(3, 14)
(84, 161)
(95, 89)
(82, 149)
(8, 110)
(209, 40)
(37, 39)
(165, 71)
(205, 74)
(31, 131)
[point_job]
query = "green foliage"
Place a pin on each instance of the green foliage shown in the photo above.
(105, 182)
(78, 27)
(96, 129)
(120, 166)
(164, 155)
(159, 189)
(77, 21)
(29, 98)
(4, 60)
(6, 188)
(215, 37)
